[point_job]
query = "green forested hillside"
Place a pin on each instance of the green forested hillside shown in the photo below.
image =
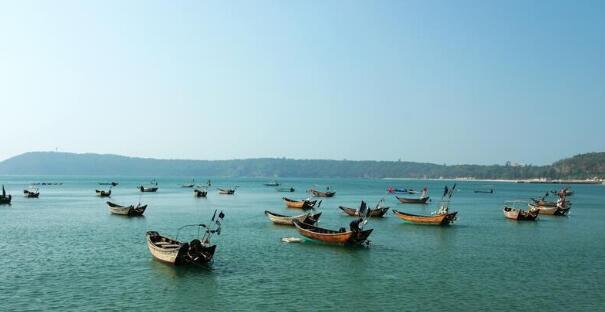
(53, 163)
(581, 166)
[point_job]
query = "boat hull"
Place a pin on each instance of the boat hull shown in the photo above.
(103, 193)
(29, 194)
(287, 220)
(130, 211)
(519, 214)
(373, 213)
(332, 237)
(174, 252)
(6, 200)
(301, 204)
(148, 189)
(322, 194)
(438, 219)
(404, 200)
(550, 211)
(199, 193)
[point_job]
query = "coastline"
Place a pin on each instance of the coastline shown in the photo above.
(528, 181)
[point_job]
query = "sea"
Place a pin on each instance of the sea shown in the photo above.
(65, 251)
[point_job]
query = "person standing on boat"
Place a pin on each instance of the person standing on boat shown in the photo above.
(425, 192)
(354, 225)
(561, 202)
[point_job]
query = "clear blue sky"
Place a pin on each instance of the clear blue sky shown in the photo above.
(437, 81)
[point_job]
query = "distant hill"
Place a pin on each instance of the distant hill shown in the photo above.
(581, 166)
(54, 163)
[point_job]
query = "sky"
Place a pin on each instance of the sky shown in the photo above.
(430, 81)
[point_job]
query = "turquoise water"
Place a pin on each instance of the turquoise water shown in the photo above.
(65, 251)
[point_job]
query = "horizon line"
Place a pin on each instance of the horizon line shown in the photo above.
(519, 164)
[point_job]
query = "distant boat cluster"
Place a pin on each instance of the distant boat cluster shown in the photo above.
(201, 251)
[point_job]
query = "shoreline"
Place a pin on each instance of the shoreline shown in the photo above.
(521, 181)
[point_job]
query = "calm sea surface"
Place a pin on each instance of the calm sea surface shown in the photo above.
(66, 251)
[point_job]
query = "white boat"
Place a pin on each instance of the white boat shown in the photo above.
(289, 220)
(197, 251)
(131, 210)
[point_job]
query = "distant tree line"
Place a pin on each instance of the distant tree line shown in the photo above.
(52, 163)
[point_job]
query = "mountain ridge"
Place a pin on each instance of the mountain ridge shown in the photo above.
(581, 166)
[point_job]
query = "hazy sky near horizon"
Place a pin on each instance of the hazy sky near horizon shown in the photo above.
(437, 81)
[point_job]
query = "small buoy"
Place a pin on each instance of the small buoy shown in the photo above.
(291, 240)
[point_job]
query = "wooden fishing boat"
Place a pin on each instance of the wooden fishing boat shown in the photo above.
(151, 189)
(131, 210)
(354, 236)
(289, 220)
(436, 219)
(301, 204)
(5, 199)
(543, 203)
(173, 251)
(373, 213)
(230, 191)
(440, 217)
(322, 194)
(272, 183)
(102, 193)
(200, 192)
(109, 183)
(550, 211)
(31, 193)
(189, 185)
(285, 189)
(520, 214)
(394, 190)
(421, 200)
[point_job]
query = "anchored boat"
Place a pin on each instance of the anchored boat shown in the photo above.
(518, 214)
(423, 199)
(197, 251)
(31, 192)
(130, 211)
(441, 217)
(328, 193)
(374, 213)
(307, 218)
(189, 185)
(229, 191)
(301, 204)
(149, 189)
(356, 235)
(102, 193)
(5, 199)
(200, 192)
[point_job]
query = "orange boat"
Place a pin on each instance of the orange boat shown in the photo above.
(437, 219)
(301, 204)
(441, 217)
(341, 237)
